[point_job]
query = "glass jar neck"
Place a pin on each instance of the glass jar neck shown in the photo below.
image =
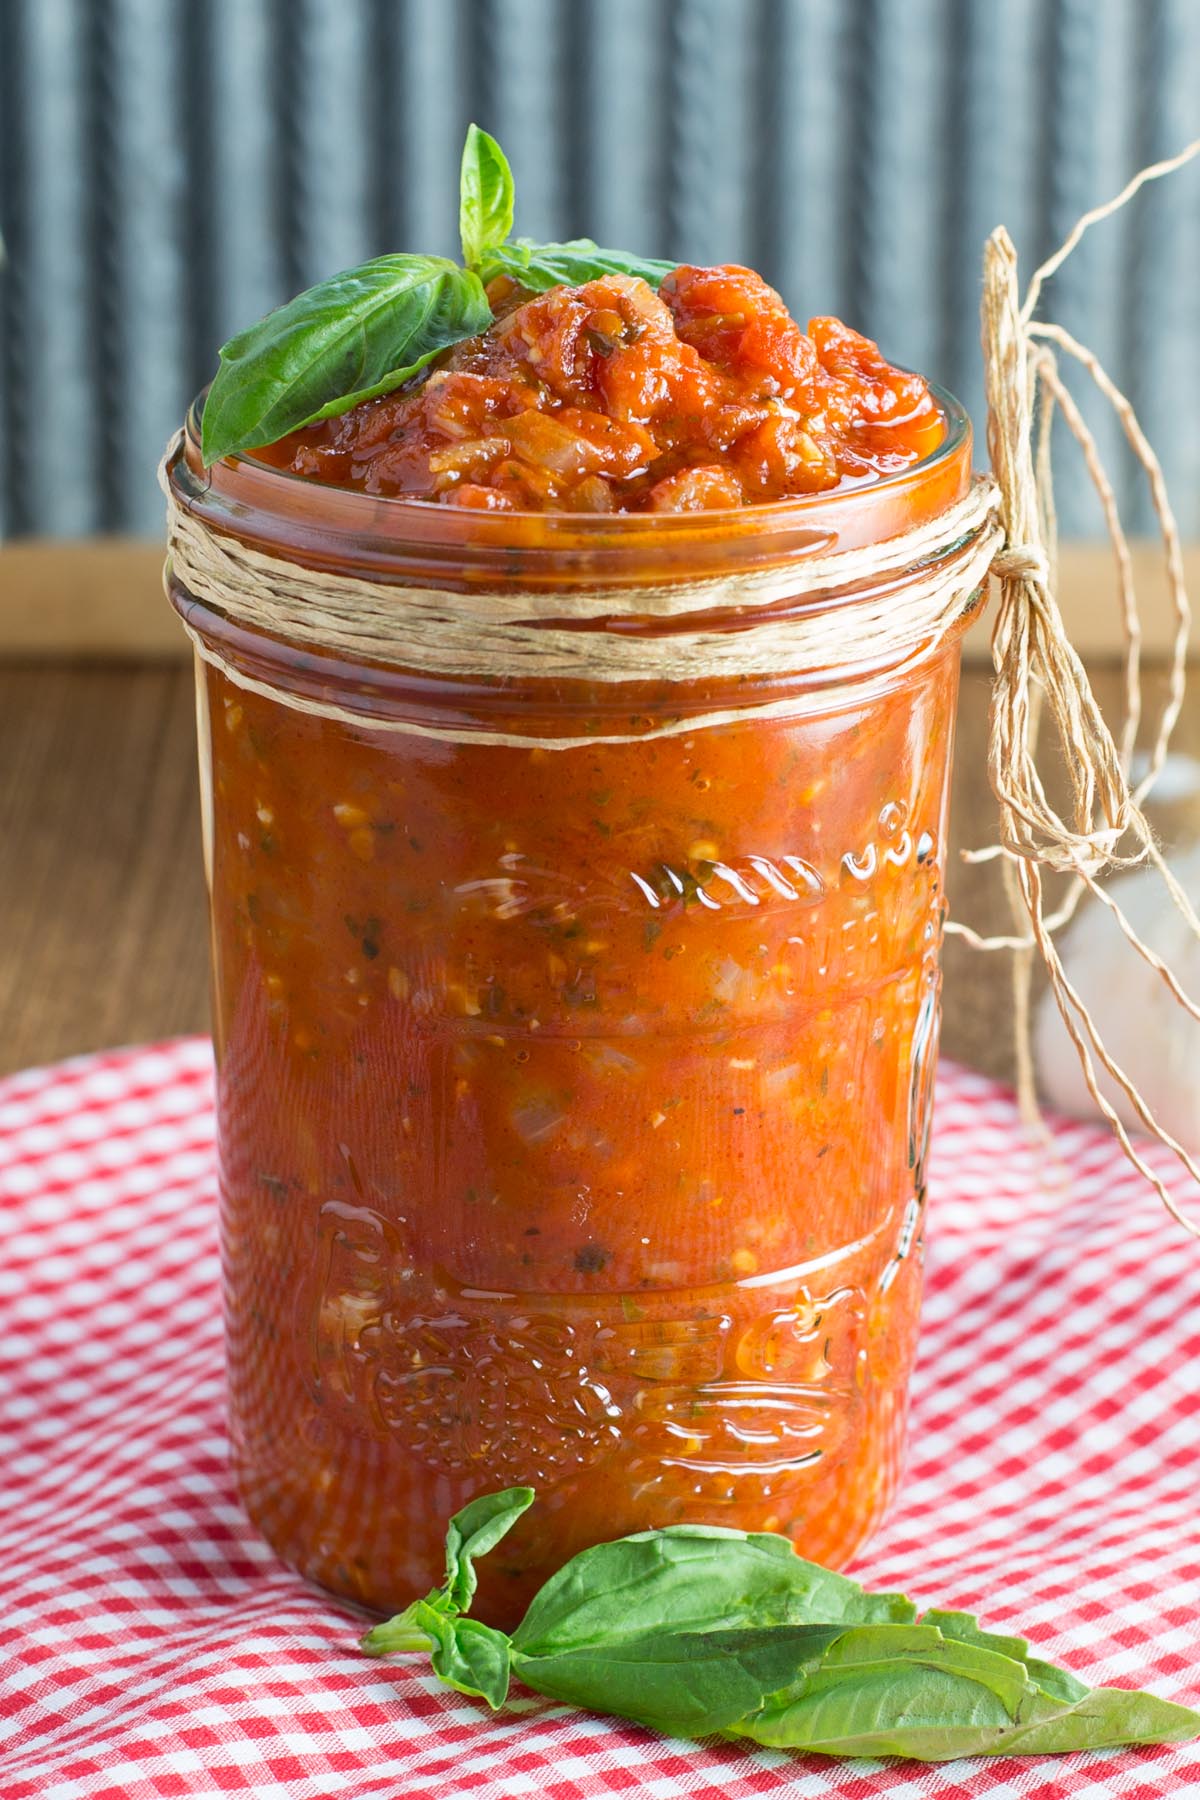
(421, 541)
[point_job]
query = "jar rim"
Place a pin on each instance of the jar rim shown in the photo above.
(402, 538)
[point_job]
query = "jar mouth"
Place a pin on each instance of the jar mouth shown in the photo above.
(957, 424)
(404, 538)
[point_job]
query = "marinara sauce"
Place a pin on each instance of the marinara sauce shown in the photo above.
(609, 397)
(573, 1098)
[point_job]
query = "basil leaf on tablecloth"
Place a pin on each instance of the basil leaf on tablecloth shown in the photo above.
(465, 1654)
(1060, 1684)
(359, 334)
(946, 1700)
(474, 1531)
(700, 1577)
(682, 1683)
(543, 266)
(485, 196)
(697, 1629)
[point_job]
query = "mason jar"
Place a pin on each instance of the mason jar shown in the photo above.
(574, 1039)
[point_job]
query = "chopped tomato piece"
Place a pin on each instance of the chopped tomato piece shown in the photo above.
(695, 490)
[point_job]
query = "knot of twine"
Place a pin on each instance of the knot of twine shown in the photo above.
(1039, 674)
(1022, 562)
(1029, 639)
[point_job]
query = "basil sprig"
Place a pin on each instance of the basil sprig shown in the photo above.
(485, 221)
(368, 330)
(539, 267)
(485, 197)
(695, 1630)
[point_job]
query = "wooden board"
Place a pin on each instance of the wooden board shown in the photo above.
(98, 598)
(103, 934)
(102, 598)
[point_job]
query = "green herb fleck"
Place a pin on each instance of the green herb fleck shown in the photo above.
(591, 1259)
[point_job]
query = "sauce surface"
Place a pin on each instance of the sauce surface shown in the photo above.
(609, 397)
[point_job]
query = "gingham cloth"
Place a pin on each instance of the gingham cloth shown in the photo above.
(152, 1646)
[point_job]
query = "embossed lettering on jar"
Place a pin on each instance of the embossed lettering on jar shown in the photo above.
(573, 1102)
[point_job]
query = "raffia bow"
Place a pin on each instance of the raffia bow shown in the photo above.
(1038, 672)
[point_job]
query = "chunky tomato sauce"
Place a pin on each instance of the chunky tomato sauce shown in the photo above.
(573, 1108)
(573, 1102)
(609, 397)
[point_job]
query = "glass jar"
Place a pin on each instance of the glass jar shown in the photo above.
(572, 1101)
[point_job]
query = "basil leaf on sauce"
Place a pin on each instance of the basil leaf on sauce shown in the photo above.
(539, 267)
(485, 196)
(359, 334)
(695, 1629)
(369, 330)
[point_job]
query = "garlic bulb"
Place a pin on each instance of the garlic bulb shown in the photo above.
(1146, 1031)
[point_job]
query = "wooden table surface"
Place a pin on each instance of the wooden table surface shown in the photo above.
(103, 936)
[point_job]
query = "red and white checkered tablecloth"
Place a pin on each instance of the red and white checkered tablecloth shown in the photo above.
(151, 1646)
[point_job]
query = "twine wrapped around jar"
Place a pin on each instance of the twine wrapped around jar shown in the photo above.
(568, 634)
(1004, 525)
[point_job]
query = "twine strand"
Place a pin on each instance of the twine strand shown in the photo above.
(1153, 172)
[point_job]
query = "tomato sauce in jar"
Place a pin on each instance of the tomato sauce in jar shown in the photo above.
(572, 1097)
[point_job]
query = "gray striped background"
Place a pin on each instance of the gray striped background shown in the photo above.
(170, 170)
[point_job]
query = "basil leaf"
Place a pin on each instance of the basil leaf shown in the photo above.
(474, 1531)
(865, 1650)
(1059, 1684)
(359, 334)
(682, 1683)
(934, 1702)
(542, 266)
(465, 1654)
(485, 196)
(918, 1701)
(1104, 1719)
(695, 1629)
(402, 1634)
(1096, 1718)
(698, 1577)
